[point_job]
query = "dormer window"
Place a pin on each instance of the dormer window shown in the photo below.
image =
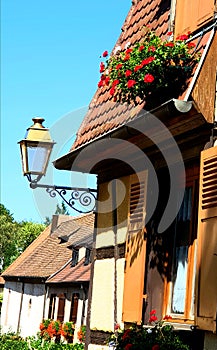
(74, 257)
(87, 257)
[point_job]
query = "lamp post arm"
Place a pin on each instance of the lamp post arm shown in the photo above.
(85, 197)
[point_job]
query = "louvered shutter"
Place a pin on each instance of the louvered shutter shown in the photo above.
(207, 242)
(135, 250)
(190, 15)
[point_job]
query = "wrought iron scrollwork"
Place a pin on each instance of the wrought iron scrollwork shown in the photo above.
(82, 200)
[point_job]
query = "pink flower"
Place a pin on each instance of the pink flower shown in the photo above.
(105, 54)
(128, 72)
(131, 83)
(148, 78)
(119, 65)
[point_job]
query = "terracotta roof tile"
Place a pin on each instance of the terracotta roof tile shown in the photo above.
(46, 255)
(78, 273)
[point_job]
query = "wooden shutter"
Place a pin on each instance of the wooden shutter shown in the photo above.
(207, 242)
(135, 250)
(61, 307)
(191, 14)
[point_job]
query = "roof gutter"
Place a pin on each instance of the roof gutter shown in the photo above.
(165, 111)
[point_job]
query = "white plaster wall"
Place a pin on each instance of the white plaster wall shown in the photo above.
(11, 306)
(32, 309)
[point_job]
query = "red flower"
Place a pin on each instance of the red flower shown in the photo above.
(107, 80)
(126, 334)
(169, 44)
(152, 48)
(112, 91)
(128, 73)
(191, 45)
(137, 68)
(141, 47)
(102, 67)
(127, 57)
(167, 317)
(147, 60)
(117, 326)
(131, 83)
(148, 78)
(100, 83)
(128, 51)
(105, 54)
(119, 65)
(182, 37)
(115, 82)
(153, 312)
(155, 347)
(169, 33)
(153, 318)
(128, 347)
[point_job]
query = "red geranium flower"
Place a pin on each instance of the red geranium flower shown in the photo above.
(112, 91)
(100, 83)
(147, 60)
(152, 48)
(102, 67)
(131, 83)
(141, 47)
(115, 82)
(191, 45)
(137, 68)
(155, 347)
(182, 37)
(105, 54)
(169, 44)
(127, 57)
(153, 312)
(128, 72)
(128, 51)
(128, 347)
(119, 65)
(167, 317)
(169, 33)
(148, 78)
(126, 334)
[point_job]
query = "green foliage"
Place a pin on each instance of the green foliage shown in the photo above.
(15, 236)
(151, 66)
(160, 335)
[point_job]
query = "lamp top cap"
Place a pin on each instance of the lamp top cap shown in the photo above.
(38, 122)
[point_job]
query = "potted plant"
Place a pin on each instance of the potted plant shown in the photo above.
(149, 68)
(68, 329)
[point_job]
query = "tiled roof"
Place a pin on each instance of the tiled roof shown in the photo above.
(75, 274)
(46, 255)
(104, 115)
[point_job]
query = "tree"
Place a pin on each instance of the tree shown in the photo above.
(15, 236)
(60, 210)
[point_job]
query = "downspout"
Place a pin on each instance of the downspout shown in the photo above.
(44, 304)
(21, 304)
(90, 290)
(114, 219)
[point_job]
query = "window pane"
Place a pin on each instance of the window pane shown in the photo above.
(180, 262)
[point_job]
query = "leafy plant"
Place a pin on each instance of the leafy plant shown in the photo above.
(150, 66)
(67, 331)
(159, 335)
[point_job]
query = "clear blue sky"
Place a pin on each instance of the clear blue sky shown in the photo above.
(50, 56)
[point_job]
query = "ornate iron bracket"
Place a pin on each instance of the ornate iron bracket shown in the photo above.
(72, 196)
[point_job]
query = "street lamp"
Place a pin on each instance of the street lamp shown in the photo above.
(35, 151)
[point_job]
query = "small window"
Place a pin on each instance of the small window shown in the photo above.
(87, 257)
(74, 307)
(61, 307)
(52, 306)
(74, 257)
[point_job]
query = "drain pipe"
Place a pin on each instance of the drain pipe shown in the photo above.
(20, 311)
(114, 219)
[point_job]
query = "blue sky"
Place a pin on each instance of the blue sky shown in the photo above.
(50, 56)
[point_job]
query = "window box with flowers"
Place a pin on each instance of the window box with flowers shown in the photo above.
(50, 329)
(150, 68)
(159, 335)
(67, 331)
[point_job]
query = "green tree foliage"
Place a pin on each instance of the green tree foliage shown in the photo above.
(60, 210)
(15, 236)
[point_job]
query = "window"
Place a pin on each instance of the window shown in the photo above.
(51, 309)
(180, 285)
(74, 257)
(74, 307)
(87, 257)
(61, 307)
